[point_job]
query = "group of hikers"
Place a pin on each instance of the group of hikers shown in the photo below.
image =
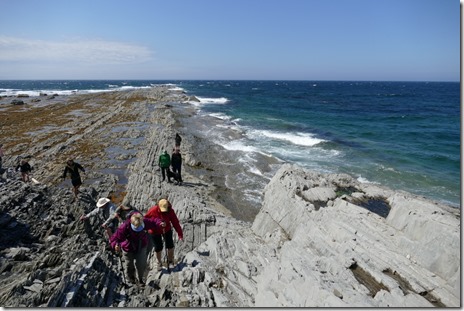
(138, 234)
(165, 162)
(174, 161)
(130, 233)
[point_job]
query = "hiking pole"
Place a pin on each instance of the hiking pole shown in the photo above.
(166, 249)
(193, 235)
(119, 254)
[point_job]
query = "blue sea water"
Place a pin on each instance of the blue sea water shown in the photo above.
(404, 135)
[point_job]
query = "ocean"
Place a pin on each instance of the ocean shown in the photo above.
(403, 135)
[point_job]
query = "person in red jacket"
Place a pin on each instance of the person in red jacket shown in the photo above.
(165, 213)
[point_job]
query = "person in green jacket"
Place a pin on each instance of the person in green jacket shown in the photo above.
(164, 163)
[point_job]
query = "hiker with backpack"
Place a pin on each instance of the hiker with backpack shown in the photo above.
(164, 162)
(73, 169)
(164, 211)
(132, 239)
(107, 208)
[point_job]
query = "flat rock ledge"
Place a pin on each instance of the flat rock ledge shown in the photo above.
(318, 240)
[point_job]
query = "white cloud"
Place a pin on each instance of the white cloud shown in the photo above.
(80, 50)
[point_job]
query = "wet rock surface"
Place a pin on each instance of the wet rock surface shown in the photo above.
(312, 244)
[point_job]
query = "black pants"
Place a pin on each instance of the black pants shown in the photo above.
(158, 241)
(164, 172)
(177, 170)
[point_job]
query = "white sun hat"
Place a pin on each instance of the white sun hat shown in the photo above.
(102, 202)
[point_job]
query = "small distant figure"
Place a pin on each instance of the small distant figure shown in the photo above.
(25, 168)
(105, 206)
(176, 164)
(1, 157)
(164, 162)
(178, 140)
(166, 214)
(132, 238)
(73, 169)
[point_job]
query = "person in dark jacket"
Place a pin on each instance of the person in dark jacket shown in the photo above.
(176, 163)
(132, 239)
(25, 168)
(165, 213)
(164, 162)
(178, 140)
(73, 169)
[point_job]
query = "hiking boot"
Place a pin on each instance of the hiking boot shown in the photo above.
(141, 283)
(171, 265)
(159, 266)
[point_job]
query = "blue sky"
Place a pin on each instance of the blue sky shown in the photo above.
(394, 40)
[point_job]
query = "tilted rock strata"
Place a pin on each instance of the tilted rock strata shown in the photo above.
(320, 248)
(312, 244)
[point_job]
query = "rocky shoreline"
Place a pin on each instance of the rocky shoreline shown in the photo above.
(317, 241)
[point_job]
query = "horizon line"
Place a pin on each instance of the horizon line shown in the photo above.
(270, 80)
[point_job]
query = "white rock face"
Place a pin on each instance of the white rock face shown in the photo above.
(411, 258)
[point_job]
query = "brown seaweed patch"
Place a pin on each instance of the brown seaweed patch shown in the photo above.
(366, 279)
(406, 288)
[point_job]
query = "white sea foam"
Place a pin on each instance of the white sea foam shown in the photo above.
(298, 138)
(176, 89)
(209, 100)
(220, 116)
(366, 181)
(128, 87)
(238, 145)
(36, 93)
(256, 171)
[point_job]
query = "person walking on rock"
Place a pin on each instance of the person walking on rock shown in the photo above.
(25, 168)
(121, 214)
(73, 169)
(165, 213)
(176, 164)
(178, 140)
(164, 162)
(132, 238)
(107, 208)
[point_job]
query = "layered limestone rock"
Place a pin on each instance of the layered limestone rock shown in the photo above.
(334, 252)
(318, 240)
